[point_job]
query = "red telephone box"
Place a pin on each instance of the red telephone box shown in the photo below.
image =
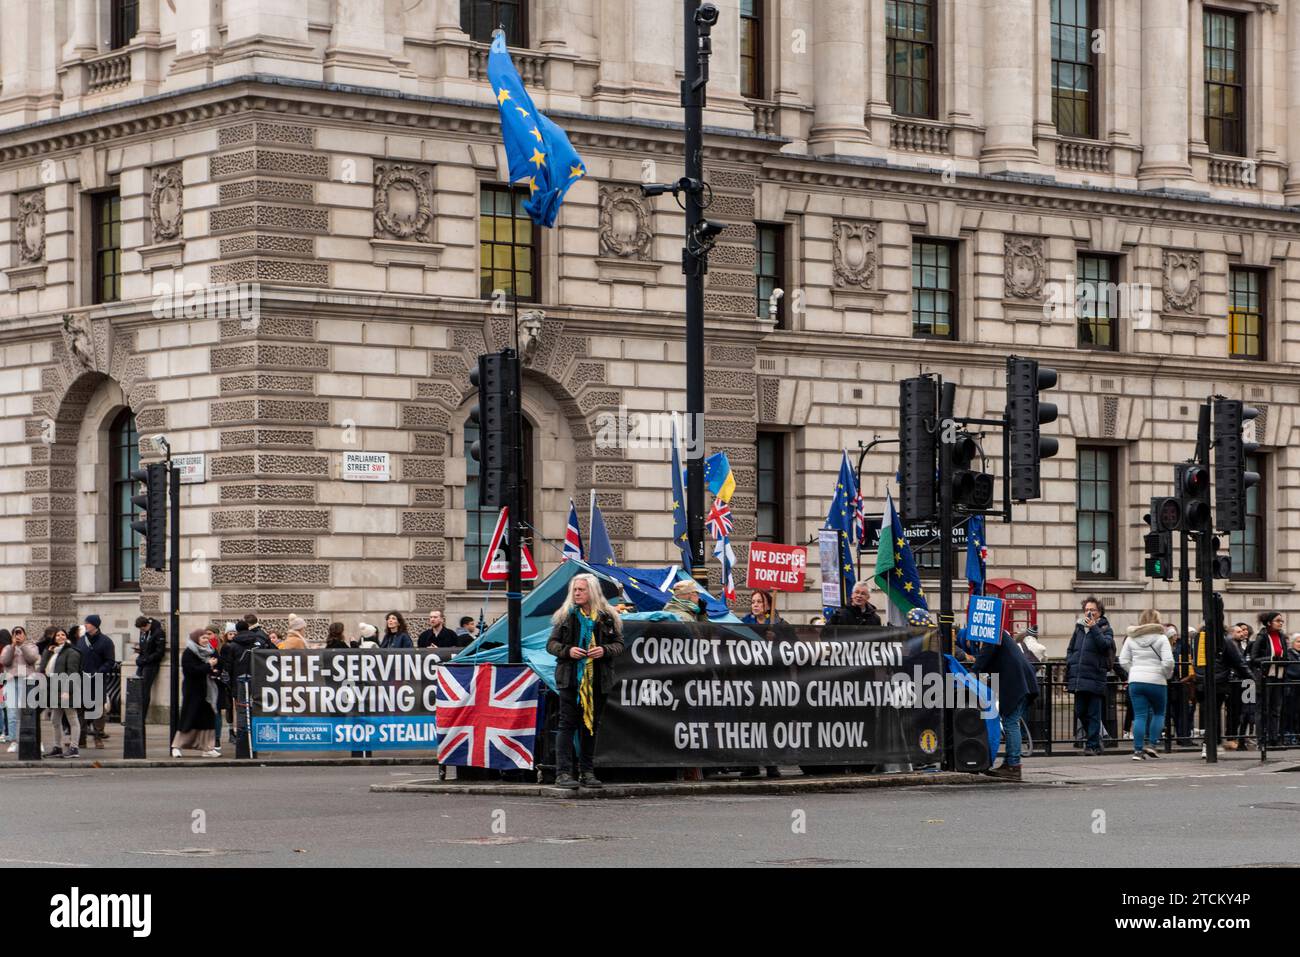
(1019, 603)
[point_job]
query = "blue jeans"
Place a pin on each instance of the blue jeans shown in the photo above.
(1148, 713)
(11, 706)
(1011, 736)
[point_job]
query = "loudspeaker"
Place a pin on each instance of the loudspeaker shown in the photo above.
(970, 741)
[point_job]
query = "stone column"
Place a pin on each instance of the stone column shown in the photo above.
(1164, 93)
(1008, 86)
(1293, 104)
(20, 77)
(270, 36)
(839, 78)
(651, 35)
(196, 40)
(149, 19)
(357, 53)
(557, 26)
(83, 28)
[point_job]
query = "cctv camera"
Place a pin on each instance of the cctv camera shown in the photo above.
(161, 441)
(706, 15)
(707, 231)
(655, 189)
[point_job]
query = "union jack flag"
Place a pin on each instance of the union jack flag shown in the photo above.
(573, 535)
(719, 519)
(859, 518)
(487, 716)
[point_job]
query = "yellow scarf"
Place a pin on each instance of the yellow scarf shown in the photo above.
(587, 670)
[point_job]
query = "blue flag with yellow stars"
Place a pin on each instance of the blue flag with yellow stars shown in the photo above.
(896, 573)
(539, 152)
(843, 517)
(681, 535)
(600, 550)
(976, 554)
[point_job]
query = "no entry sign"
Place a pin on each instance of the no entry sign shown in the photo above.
(777, 567)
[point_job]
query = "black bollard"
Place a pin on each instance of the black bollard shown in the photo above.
(29, 724)
(133, 739)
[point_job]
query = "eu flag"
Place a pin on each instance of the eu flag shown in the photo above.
(843, 517)
(681, 535)
(539, 151)
(600, 550)
(976, 553)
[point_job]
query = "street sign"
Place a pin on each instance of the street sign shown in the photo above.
(193, 468)
(496, 568)
(777, 567)
(918, 534)
(366, 467)
(984, 619)
(828, 541)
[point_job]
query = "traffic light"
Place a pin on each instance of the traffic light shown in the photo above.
(1025, 413)
(1192, 483)
(153, 524)
(916, 432)
(495, 378)
(1159, 543)
(971, 490)
(1231, 480)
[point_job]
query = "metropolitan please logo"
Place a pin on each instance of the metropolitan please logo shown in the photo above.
(75, 910)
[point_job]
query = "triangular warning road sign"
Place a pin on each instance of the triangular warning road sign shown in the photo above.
(495, 566)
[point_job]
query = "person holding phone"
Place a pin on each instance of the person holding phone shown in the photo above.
(1088, 658)
(586, 637)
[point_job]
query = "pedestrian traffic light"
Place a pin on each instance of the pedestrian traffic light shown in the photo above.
(495, 379)
(1231, 480)
(1192, 484)
(1025, 414)
(1159, 543)
(153, 523)
(916, 432)
(1167, 512)
(971, 489)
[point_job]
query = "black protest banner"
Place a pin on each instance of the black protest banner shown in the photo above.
(732, 695)
(364, 699)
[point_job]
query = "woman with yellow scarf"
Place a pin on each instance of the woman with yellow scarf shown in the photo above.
(586, 637)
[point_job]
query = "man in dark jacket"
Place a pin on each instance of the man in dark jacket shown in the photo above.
(1016, 687)
(1088, 657)
(150, 649)
(859, 612)
(438, 635)
(99, 658)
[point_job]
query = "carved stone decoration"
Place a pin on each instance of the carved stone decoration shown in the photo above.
(166, 204)
(625, 226)
(403, 202)
(77, 336)
(1182, 280)
(1024, 266)
(853, 254)
(530, 333)
(31, 228)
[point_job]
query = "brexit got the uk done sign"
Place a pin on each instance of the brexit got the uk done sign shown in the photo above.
(353, 699)
(714, 695)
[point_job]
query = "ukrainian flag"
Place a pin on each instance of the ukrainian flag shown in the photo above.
(718, 477)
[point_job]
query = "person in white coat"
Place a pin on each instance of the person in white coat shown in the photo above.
(1147, 658)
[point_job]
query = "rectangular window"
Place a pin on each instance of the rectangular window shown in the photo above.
(106, 247)
(124, 458)
(751, 48)
(1096, 513)
(507, 243)
(1246, 547)
(124, 22)
(479, 18)
(481, 522)
(769, 269)
(1096, 301)
(1247, 313)
(1074, 68)
(910, 57)
(934, 289)
(1225, 83)
(771, 487)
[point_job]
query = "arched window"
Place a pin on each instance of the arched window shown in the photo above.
(124, 458)
(479, 522)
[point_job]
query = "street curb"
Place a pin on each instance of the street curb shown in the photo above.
(54, 764)
(855, 782)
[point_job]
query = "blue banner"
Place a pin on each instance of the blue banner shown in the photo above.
(361, 733)
(984, 619)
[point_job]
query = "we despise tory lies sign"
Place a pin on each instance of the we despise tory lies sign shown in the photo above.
(696, 695)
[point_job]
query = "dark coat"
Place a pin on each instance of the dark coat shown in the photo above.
(1261, 648)
(236, 662)
(399, 640)
(1293, 666)
(1016, 681)
(196, 713)
(100, 655)
(444, 638)
(853, 615)
(69, 662)
(337, 643)
(153, 645)
(1088, 658)
(608, 633)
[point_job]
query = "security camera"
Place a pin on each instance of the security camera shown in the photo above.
(707, 15)
(656, 189)
(707, 231)
(162, 443)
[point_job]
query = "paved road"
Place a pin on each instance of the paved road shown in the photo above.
(296, 816)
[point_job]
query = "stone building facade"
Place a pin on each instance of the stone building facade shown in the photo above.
(341, 156)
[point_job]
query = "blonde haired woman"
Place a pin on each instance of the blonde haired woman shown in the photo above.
(1147, 658)
(586, 636)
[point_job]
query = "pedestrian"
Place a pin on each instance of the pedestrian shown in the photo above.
(438, 635)
(860, 611)
(586, 637)
(335, 638)
(1230, 667)
(18, 659)
(1149, 661)
(395, 634)
(1017, 688)
(99, 658)
(1180, 687)
(150, 648)
(293, 642)
(1088, 657)
(5, 638)
(273, 637)
(686, 604)
(1291, 707)
(61, 665)
(1268, 655)
(761, 604)
(468, 629)
(196, 730)
(1035, 651)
